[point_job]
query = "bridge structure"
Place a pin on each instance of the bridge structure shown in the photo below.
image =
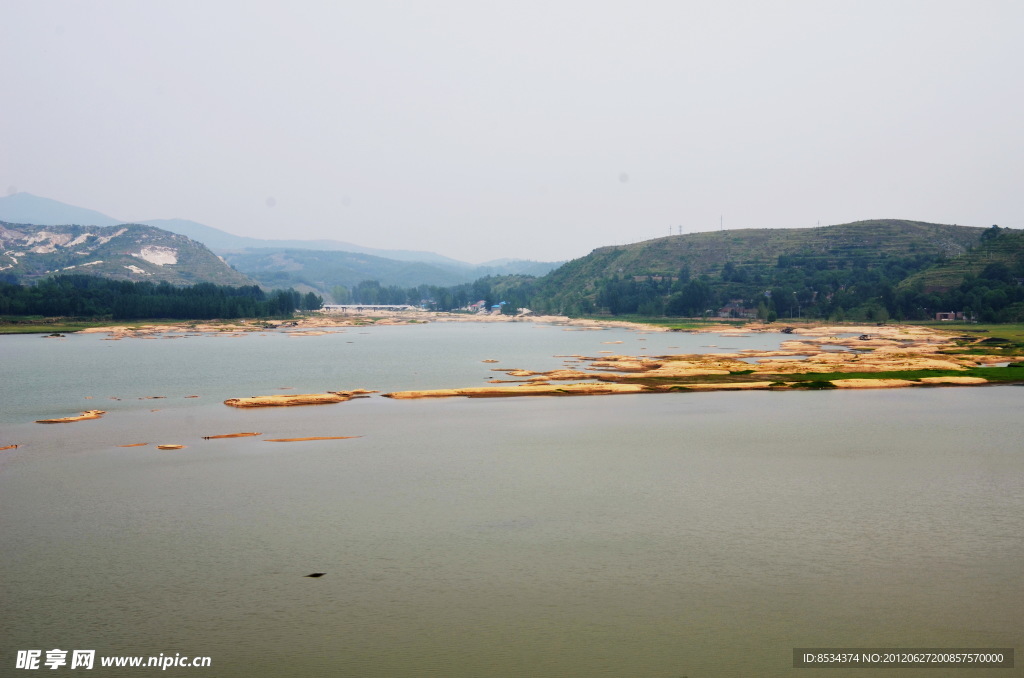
(345, 308)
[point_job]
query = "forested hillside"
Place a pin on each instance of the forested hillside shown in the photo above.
(748, 256)
(872, 270)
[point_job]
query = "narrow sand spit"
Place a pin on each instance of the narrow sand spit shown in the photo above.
(521, 390)
(954, 380)
(84, 416)
(738, 386)
(231, 435)
(872, 383)
(299, 440)
(297, 399)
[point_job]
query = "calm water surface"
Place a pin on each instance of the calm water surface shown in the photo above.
(701, 534)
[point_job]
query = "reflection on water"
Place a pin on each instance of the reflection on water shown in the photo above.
(656, 535)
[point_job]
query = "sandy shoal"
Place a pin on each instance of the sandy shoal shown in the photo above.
(520, 390)
(286, 400)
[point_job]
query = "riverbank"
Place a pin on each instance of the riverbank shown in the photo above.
(817, 356)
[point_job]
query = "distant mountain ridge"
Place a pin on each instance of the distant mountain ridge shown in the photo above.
(277, 262)
(25, 208)
(222, 242)
(122, 252)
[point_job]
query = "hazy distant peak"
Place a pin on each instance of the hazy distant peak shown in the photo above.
(25, 208)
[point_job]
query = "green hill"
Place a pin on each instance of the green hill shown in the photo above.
(124, 252)
(863, 242)
(742, 264)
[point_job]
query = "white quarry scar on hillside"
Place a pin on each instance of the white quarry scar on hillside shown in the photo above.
(155, 254)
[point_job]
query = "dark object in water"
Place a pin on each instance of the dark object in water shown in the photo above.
(316, 574)
(787, 330)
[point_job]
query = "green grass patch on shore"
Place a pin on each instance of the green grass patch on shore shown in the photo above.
(1012, 374)
(42, 325)
(29, 324)
(994, 374)
(1014, 332)
(816, 385)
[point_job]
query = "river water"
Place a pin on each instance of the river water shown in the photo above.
(687, 534)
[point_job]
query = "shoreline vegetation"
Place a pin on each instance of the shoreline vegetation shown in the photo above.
(819, 355)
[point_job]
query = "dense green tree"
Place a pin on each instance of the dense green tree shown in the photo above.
(91, 296)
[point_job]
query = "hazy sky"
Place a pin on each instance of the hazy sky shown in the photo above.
(521, 129)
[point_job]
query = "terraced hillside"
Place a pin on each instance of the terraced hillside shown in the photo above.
(1002, 248)
(834, 246)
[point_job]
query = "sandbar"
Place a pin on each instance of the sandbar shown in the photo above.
(819, 349)
(84, 416)
(297, 399)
